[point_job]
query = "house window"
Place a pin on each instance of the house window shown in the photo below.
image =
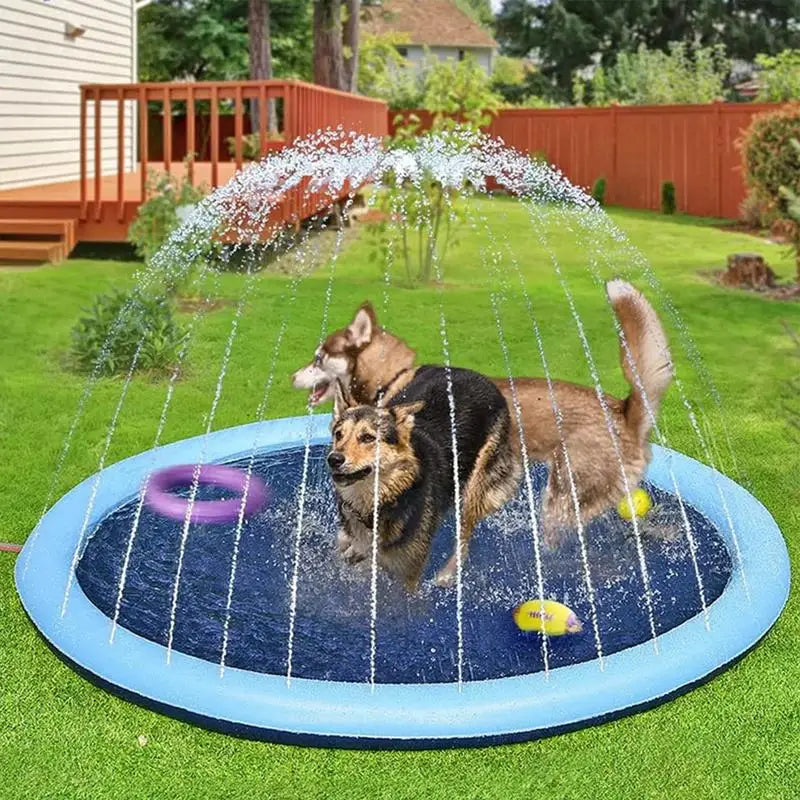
(403, 51)
(462, 55)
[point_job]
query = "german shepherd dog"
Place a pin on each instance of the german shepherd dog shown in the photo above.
(415, 462)
(374, 364)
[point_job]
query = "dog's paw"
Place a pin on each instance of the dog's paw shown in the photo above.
(445, 577)
(353, 556)
(552, 536)
(343, 540)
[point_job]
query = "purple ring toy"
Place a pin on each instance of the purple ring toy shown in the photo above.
(160, 498)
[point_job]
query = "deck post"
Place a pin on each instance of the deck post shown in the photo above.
(238, 131)
(143, 144)
(190, 132)
(120, 154)
(98, 157)
(214, 137)
(83, 154)
(166, 128)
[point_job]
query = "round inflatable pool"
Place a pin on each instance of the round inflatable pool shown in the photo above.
(216, 651)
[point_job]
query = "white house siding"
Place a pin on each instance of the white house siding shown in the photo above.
(416, 55)
(40, 72)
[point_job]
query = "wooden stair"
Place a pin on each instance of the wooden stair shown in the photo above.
(36, 240)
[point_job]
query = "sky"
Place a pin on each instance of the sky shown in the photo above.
(496, 5)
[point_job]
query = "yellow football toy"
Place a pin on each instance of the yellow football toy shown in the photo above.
(555, 619)
(641, 504)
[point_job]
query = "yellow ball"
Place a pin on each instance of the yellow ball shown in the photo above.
(641, 505)
(554, 618)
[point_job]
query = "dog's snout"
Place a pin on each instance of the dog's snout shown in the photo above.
(335, 459)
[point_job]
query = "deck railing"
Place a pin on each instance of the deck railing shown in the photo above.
(304, 108)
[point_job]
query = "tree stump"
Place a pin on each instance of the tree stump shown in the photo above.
(748, 270)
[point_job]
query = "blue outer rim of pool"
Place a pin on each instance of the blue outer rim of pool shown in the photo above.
(397, 716)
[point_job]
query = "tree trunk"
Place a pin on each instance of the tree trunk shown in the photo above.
(328, 64)
(350, 44)
(260, 57)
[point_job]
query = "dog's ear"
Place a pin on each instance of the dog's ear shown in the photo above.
(342, 400)
(362, 328)
(404, 414)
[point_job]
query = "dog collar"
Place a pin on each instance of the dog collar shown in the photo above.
(381, 393)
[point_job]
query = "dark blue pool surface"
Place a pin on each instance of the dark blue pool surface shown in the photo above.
(416, 635)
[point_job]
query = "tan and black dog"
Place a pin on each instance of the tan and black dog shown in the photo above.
(416, 475)
(375, 364)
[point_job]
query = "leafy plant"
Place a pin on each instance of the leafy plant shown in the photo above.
(106, 338)
(386, 74)
(751, 210)
(158, 217)
(780, 76)
(459, 94)
(599, 191)
(771, 165)
(668, 204)
(251, 144)
(792, 199)
(655, 77)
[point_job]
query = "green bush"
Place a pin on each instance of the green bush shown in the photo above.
(780, 76)
(680, 75)
(251, 145)
(107, 336)
(158, 216)
(668, 204)
(599, 191)
(770, 162)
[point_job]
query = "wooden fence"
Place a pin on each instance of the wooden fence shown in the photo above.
(305, 108)
(637, 148)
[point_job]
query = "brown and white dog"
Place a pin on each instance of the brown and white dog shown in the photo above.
(376, 365)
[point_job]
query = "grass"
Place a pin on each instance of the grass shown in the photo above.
(734, 737)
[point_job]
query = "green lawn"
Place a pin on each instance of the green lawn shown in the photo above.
(738, 736)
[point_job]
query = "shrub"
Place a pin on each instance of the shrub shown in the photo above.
(668, 205)
(780, 76)
(599, 191)
(251, 145)
(385, 74)
(459, 93)
(792, 199)
(647, 76)
(769, 160)
(752, 211)
(157, 217)
(107, 336)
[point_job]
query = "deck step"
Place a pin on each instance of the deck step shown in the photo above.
(11, 250)
(37, 239)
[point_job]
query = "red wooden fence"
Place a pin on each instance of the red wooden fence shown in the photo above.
(637, 148)
(306, 108)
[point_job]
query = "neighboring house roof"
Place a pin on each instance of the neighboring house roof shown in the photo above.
(436, 23)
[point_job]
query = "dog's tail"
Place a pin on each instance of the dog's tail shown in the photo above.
(644, 343)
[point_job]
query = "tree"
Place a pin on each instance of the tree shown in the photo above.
(179, 40)
(350, 42)
(207, 40)
(570, 35)
(260, 47)
(328, 51)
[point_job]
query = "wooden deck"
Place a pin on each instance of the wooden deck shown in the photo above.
(103, 221)
(99, 207)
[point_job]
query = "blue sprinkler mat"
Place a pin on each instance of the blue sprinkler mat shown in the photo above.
(506, 695)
